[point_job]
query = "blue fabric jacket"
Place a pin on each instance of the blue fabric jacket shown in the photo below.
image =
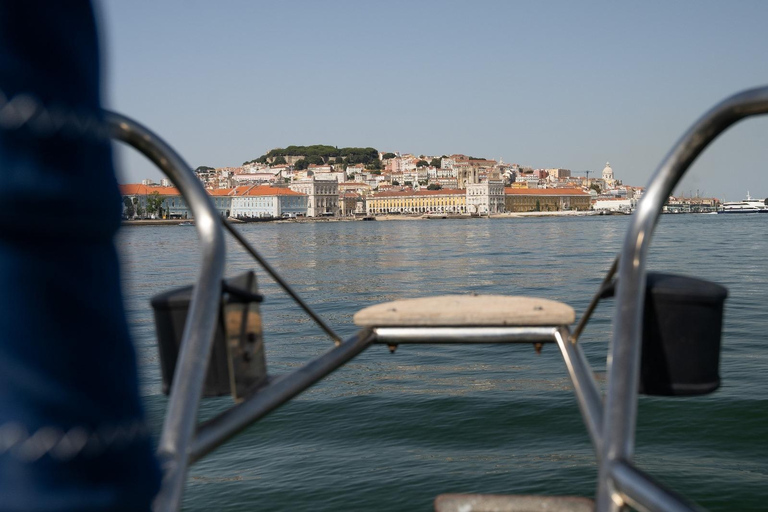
(72, 433)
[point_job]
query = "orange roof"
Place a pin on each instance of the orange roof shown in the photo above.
(221, 191)
(137, 189)
(266, 190)
(242, 190)
(237, 191)
(544, 192)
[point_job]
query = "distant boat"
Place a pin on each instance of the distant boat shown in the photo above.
(748, 205)
(186, 223)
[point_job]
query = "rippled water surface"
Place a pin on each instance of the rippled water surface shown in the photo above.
(390, 432)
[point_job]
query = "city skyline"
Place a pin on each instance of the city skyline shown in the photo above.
(550, 85)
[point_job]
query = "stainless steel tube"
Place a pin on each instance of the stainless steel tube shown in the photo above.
(283, 284)
(221, 428)
(181, 416)
(623, 358)
(587, 393)
(395, 335)
(639, 490)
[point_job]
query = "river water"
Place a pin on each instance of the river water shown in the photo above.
(392, 431)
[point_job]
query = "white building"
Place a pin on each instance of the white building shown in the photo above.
(608, 175)
(485, 197)
(323, 196)
(615, 205)
(264, 201)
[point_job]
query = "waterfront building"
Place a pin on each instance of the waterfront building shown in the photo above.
(485, 197)
(348, 203)
(545, 199)
(135, 196)
(614, 204)
(261, 201)
(173, 206)
(221, 200)
(323, 196)
(417, 201)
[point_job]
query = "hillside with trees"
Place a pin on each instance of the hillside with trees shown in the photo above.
(320, 154)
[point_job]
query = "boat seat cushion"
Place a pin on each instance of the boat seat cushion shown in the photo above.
(511, 503)
(466, 310)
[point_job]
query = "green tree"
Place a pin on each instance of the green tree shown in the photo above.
(408, 183)
(595, 187)
(395, 183)
(280, 160)
(387, 156)
(435, 162)
(300, 165)
(137, 208)
(422, 163)
(538, 206)
(434, 186)
(130, 211)
(155, 203)
(204, 168)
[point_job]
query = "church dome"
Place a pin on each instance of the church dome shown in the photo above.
(607, 172)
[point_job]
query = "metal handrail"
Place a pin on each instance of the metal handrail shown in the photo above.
(624, 354)
(611, 426)
(186, 391)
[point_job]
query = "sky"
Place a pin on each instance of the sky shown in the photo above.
(543, 84)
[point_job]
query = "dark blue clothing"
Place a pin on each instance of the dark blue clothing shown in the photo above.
(72, 436)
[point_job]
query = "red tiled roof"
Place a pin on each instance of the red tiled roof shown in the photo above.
(137, 189)
(242, 190)
(264, 190)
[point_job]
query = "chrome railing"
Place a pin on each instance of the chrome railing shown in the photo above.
(620, 413)
(611, 425)
(181, 416)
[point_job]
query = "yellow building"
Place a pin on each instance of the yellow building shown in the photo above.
(545, 199)
(421, 201)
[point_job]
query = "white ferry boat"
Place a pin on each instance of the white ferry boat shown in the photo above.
(748, 205)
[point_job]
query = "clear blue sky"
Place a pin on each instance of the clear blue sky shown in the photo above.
(546, 84)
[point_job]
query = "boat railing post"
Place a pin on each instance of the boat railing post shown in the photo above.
(186, 391)
(620, 410)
